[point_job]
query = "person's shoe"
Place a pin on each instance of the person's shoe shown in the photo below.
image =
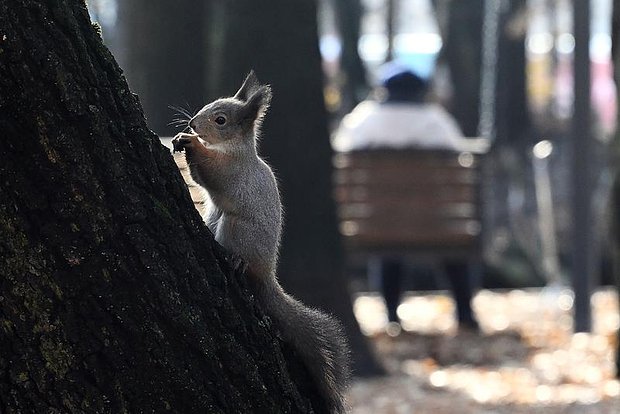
(393, 329)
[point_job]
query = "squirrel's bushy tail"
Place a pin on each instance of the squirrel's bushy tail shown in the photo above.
(318, 338)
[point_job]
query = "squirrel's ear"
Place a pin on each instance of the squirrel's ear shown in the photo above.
(250, 85)
(257, 104)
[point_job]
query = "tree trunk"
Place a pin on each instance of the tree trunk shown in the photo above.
(390, 27)
(512, 118)
(615, 241)
(114, 296)
(355, 88)
(462, 52)
(615, 197)
(162, 54)
(295, 141)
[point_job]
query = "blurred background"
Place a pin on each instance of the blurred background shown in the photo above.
(524, 201)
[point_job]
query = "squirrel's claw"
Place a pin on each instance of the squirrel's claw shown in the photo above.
(182, 140)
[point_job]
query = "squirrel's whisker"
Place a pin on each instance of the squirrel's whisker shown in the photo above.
(181, 111)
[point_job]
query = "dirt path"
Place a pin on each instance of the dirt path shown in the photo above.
(526, 360)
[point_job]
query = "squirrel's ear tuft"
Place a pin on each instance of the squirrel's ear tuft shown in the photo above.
(249, 87)
(257, 104)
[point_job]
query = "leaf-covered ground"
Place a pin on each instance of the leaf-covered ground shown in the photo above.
(525, 360)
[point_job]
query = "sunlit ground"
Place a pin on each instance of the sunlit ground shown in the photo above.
(525, 361)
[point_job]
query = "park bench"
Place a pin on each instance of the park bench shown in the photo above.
(424, 204)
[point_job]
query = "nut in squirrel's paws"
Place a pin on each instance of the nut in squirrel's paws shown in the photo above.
(183, 140)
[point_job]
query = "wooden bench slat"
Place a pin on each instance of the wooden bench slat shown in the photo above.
(377, 211)
(411, 228)
(404, 177)
(408, 200)
(446, 194)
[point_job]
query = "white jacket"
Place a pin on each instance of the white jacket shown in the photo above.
(397, 125)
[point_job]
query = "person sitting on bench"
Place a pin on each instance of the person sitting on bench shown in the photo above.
(404, 119)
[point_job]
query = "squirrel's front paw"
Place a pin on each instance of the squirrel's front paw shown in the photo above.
(183, 141)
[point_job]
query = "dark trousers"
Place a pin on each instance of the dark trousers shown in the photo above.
(392, 270)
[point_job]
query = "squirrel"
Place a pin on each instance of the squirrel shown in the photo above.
(245, 216)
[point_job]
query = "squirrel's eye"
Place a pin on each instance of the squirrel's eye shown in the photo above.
(220, 120)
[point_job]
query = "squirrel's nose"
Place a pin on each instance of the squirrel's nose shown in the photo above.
(192, 124)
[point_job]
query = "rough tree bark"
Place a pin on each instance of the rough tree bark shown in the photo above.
(295, 141)
(114, 296)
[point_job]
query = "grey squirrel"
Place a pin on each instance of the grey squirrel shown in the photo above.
(245, 215)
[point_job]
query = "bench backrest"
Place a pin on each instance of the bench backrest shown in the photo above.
(409, 200)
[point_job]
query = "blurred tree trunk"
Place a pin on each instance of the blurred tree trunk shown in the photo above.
(461, 24)
(615, 228)
(114, 297)
(615, 199)
(512, 117)
(348, 15)
(462, 52)
(284, 52)
(162, 52)
(390, 27)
